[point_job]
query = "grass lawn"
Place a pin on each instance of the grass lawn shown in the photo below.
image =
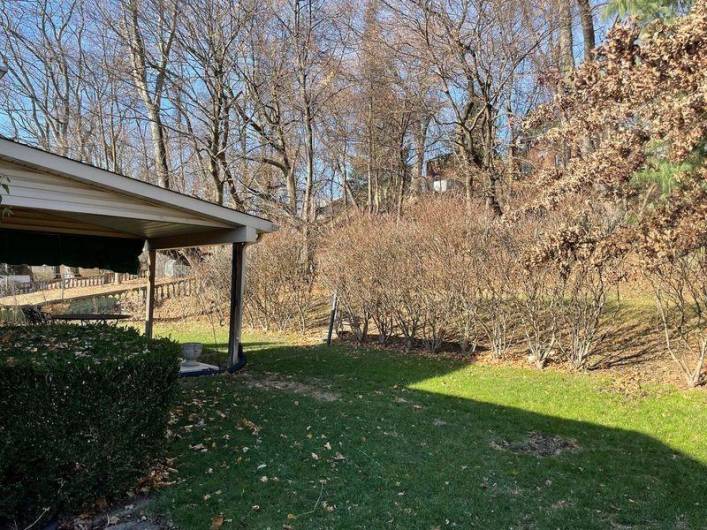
(310, 437)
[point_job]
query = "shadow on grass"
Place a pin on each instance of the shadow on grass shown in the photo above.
(422, 443)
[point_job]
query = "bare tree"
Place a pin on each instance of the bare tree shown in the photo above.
(474, 49)
(264, 109)
(208, 44)
(44, 44)
(147, 28)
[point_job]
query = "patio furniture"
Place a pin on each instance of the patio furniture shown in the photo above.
(85, 318)
(34, 316)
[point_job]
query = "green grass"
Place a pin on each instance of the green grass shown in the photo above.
(420, 446)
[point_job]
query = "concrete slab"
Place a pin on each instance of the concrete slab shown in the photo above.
(194, 368)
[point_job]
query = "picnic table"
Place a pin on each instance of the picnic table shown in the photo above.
(89, 317)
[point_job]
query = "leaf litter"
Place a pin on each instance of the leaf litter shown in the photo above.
(313, 389)
(538, 444)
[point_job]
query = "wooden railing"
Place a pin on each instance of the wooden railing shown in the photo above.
(165, 288)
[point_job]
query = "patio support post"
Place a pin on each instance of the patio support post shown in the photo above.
(235, 351)
(150, 292)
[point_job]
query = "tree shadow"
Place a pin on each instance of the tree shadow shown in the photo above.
(629, 341)
(216, 353)
(419, 450)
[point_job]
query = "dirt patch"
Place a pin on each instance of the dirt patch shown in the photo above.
(538, 444)
(313, 388)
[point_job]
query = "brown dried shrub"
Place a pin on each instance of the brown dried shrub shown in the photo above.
(632, 122)
(279, 285)
(431, 276)
(681, 299)
(279, 282)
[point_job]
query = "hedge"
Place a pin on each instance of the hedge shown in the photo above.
(83, 415)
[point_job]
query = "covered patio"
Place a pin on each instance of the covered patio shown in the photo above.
(64, 212)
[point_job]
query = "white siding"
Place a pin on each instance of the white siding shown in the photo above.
(48, 192)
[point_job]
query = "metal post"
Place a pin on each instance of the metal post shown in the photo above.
(150, 292)
(332, 319)
(235, 350)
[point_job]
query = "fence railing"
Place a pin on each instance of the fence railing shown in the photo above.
(10, 288)
(163, 291)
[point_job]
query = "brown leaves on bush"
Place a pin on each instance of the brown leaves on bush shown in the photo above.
(642, 99)
(428, 277)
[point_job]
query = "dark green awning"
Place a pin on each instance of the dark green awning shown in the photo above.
(18, 247)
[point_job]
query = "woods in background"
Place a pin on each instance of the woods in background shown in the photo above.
(285, 106)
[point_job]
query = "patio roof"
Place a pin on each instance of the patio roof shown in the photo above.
(51, 193)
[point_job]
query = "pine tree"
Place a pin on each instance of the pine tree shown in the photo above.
(646, 10)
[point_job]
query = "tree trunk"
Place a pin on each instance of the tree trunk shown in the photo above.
(585, 15)
(492, 191)
(403, 174)
(159, 146)
(566, 40)
(369, 166)
(151, 100)
(309, 144)
(420, 141)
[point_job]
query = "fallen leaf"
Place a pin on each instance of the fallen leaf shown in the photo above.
(217, 522)
(254, 429)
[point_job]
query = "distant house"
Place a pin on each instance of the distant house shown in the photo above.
(331, 208)
(174, 264)
(440, 174)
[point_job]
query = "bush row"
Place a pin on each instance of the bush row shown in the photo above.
(441, 275)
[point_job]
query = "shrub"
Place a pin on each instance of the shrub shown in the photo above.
(680, 286)
(416, 277)
(84, 414)
(580, 270)
(279, 281)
